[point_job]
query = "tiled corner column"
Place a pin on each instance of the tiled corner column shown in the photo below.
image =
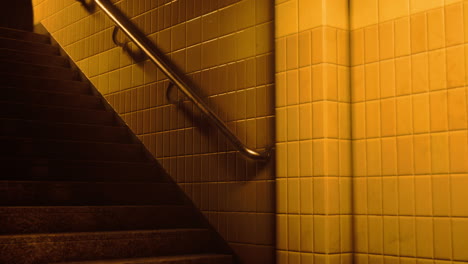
(313, 132)
(410, 140)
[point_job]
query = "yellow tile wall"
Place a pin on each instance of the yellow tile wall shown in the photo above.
(409, 131)
(313, 127)
(226, 48)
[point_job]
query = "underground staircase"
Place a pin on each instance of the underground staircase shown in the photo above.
(75, 186)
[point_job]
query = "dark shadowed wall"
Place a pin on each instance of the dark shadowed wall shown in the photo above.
(17, 14)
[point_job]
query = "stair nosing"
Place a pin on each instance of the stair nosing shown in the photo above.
(182, 257)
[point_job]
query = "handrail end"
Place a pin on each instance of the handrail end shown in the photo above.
(260, 156)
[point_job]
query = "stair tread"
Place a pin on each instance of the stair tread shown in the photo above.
(82, 193)
(83, 236)
(52, 98)
(81, 208)
(154, 259)
(87, 246)
(84, 148)
(54, 107)
(39, 123)
(77, 161)
(43, 169)
(22, 34)
(30, 35)
(63, 114)
(18, 44)
(59, 182)
(51, 140)
(33, 58)
(79, 218)
(32, 53)
(41, 70)
(40, 80)
(34, 64)
(38, 90)
(43, 122)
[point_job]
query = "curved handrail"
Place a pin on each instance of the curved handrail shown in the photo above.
(146, 46)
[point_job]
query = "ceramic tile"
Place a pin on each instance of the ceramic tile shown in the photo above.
(436, 32)
(389, 9)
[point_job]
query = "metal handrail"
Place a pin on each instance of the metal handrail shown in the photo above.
(147, 47)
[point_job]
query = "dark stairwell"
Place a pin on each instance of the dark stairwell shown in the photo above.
(75, 186)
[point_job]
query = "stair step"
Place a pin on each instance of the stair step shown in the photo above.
(46, 248)
(33, 58)
(184, 259)
(59, 73)
(59, 219)
(55, 114)
(28, 46)
(84, 150)
(79, 170)
(65, 131)
(44, 84)
(39, 193)
(35, 96)
(23, 35)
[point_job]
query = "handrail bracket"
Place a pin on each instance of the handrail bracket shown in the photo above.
(147, 47)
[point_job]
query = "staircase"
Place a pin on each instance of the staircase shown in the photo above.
(75, 187)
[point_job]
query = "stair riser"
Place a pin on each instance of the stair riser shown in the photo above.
(47, 114)
(62, 170)
(54, 173)
(24, 36)
(49, 98)
(33, 58)
(191, 259)
(19, 128)
(93, 219)
(44, 84)
(76, 193)
(39, 71)
(29, 46)
(64, 131)
(71, 150)
(55, 249)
